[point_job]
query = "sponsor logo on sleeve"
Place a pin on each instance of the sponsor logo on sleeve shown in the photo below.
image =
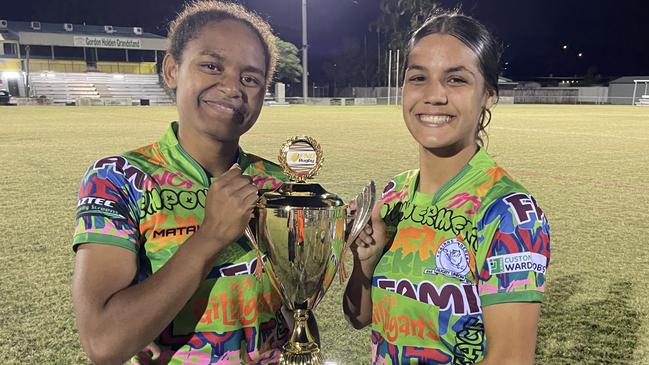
(93, 206)
(518, 262)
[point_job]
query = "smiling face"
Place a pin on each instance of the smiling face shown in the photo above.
(444, 94)
(219, 81)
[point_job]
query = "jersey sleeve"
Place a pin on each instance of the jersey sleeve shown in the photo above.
(515, 251)
(107, 210)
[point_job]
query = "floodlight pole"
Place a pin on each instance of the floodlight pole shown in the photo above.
(396, 84)
(28, 86)
(389, 74)
(305, 67)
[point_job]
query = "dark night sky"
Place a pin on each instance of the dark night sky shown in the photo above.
(612, 35)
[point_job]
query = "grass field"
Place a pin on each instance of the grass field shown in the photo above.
(587, 166)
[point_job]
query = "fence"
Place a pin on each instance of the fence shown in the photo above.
(36, 65)
(40, 65)
(346, 101)
(581, 95)
(558, 95)
(544, 95)
(148, 68)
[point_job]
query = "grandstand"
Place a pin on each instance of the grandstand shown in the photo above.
(81, 64)
(72, 87)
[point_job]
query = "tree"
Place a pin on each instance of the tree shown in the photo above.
(346, 67)
(289, 68)
(399, 18)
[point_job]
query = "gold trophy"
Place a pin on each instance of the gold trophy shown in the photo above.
(304, 230)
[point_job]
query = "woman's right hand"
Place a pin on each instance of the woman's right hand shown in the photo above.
(369, 245)
(367, 249)
(228, 207)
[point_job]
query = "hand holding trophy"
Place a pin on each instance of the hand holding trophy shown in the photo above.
(303, 229)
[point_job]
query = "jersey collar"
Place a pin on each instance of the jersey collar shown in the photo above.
(480, 161)
(170, 144)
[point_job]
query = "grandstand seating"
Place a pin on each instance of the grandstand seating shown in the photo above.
(70, 87)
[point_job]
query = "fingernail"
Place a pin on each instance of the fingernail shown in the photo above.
(235, 166)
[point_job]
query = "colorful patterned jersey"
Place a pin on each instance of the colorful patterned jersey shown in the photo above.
(150, 201)
(480, 240)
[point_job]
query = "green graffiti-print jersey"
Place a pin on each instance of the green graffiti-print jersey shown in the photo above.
(480, 240)
(150, 201)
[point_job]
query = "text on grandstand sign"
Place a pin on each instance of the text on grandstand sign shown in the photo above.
(107, 42)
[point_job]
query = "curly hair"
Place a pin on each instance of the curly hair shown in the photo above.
(196, 14)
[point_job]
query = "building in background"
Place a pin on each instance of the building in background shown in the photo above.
(620, 90)
(33, 50)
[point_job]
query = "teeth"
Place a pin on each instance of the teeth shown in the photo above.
(434, 119)
(218, 105)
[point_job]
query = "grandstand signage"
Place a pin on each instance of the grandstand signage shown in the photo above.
(107, 42)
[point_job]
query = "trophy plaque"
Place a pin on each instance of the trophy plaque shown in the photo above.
(304, 230)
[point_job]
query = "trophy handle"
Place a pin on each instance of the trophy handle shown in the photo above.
(250, 235)
(259, 269)
(364, 202)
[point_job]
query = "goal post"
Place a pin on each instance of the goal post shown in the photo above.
(640, 88)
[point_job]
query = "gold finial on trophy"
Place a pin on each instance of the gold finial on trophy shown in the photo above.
(301, 158)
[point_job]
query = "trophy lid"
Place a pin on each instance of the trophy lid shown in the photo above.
(305, 195)
(300, 158)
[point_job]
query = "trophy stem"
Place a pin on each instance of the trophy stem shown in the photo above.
(301, 349)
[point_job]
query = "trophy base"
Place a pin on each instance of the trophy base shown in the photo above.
(304, 357)
(301, 349)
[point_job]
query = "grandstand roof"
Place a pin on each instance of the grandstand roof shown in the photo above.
(8, 35)
(80, 35)
(78, 29)
(628, 79)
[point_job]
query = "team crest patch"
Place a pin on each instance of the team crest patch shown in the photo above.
(452, 260)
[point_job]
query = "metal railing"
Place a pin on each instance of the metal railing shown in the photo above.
(43, 65)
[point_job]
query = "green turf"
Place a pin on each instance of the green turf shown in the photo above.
(586, 165)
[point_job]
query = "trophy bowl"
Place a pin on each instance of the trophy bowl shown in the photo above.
(304, 230)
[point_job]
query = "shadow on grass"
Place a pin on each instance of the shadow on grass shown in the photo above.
(594, 332)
